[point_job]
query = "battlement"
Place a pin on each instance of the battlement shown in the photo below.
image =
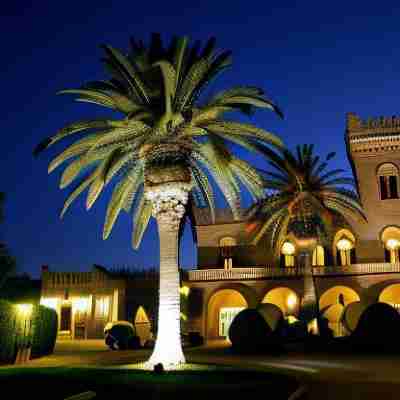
(373, 135)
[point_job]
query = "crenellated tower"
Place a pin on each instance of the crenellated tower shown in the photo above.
(374, 151)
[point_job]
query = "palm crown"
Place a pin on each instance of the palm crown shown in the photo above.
(166, 131)
(306, 197)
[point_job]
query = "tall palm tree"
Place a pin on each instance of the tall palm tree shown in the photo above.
(160, 148)
(306, 201)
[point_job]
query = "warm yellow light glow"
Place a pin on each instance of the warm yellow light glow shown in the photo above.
(50, 302)
(392, 244)
(102, 307)
(288, 249)
(291, 301)
(344, 244)
(184, 291)
(291, 319)
(24, 310)
(312, 327)
(81, 304)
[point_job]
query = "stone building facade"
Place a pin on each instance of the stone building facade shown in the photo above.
(86, 301)
(358, 265)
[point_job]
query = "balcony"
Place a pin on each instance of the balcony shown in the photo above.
(253, 273)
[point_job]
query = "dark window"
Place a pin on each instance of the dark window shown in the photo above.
(65, 323)
(353, 259)
(387, 255)
(393, 187)
(383, 187)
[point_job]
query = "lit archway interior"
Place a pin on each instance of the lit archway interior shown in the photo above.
(223, 306)
(332, 304)
(391, 295)
(142, 325)
(391, 241)
(286, 299)
(343, 246)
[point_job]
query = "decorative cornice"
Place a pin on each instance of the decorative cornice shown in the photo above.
(374, 135)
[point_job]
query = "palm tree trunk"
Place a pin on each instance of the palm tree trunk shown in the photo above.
(168, 209)
(309, 292)
(309, 302)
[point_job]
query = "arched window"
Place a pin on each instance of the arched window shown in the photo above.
(391, 241)
(287, 254)
(318, 258)
(345, 248)
(226, 245)
(388, 178)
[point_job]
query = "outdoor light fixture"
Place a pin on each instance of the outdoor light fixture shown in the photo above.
(291, 301)
(25, 310)
(50, 302)
(81, 304)
(288, 249)
(392, 244)
(184, 290)
(344, 244)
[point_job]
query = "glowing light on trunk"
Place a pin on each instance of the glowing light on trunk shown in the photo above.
(168, 208)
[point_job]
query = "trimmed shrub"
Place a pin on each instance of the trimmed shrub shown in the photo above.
(272, 314)
(8, 320)
(352, 314)
(195, 339)
(37, 329)
(378, 329)
(250, 333)
(45, 325)
(124, 336)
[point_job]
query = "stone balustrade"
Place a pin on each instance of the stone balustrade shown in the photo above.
(268, 272)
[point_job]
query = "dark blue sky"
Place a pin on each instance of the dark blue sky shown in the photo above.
(317, 60)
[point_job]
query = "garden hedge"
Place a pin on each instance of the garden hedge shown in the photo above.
(37, 329)
(8, 332)
(44, 331)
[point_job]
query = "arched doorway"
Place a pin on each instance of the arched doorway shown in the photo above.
(226, 246)
(283, 297)
(223, 306)
(288, 254)
(344, 247)
(332, 304)
(390, 238)
(142, 325)
(391, 296)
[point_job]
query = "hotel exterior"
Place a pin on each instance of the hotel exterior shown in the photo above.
(356, 266)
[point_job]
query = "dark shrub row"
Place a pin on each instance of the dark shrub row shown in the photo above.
(19, 328)
(44, 331)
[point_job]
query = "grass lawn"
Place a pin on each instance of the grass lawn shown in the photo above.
(216, 382)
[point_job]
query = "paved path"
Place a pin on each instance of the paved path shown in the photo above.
(327, 377)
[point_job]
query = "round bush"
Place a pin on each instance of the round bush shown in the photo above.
(271, 313)
(122, 335)
(351, 315)
(249, 332)
(378, 328)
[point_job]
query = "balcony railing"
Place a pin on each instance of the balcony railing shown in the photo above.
(243, 273)
(359, 269)
(251, 273)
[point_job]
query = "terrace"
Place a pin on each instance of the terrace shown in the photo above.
(268, 272)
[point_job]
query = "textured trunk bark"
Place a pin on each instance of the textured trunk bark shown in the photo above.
(309, 302)
(168, 347)
(168, 200)
(309, 292)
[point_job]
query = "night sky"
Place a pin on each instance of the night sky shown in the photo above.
(317, 60)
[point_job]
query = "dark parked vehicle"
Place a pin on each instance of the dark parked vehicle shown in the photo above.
(121, 335)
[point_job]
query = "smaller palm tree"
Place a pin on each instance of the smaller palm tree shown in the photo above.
(306, 202)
